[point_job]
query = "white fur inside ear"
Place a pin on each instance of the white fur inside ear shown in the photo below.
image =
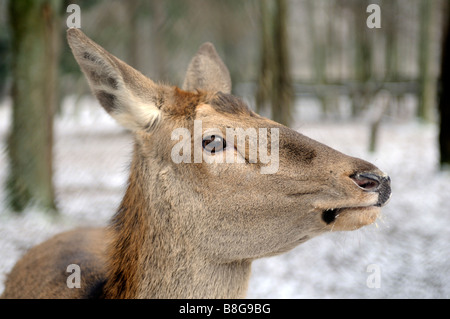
(135, 114)
(106, 75)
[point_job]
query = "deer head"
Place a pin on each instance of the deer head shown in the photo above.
(220, 211)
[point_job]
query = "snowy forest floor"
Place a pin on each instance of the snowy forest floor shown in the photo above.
(408, 245)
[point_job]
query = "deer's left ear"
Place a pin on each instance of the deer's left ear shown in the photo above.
(126, 94)
(207, 71)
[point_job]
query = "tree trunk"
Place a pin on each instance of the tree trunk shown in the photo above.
(318, 41)
(133, 40)
(275, 83)
(363, 60)
(265, 78)
(35, 36)
(427, 85)
(444, 96)
(390, 26)
(282, 97)
(160, 36)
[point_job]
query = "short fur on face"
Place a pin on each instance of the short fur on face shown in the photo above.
(191, 229)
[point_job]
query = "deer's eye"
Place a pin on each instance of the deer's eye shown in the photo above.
(213, 144)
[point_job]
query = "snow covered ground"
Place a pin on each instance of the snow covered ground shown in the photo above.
(406, 252)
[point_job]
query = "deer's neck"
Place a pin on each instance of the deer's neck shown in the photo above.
(152, 257)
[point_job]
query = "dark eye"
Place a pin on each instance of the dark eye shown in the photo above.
(213, 144)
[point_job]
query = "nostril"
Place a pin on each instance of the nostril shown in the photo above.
(368, 182)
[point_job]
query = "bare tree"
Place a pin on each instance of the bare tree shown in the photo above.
(265, 78)
(131, 7)
(426, 80)
(275, 83)
(34, 70)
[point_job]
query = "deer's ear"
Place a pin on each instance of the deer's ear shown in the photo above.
(126, 94)
(207, 71)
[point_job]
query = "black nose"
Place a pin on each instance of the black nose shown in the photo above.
(374, 183)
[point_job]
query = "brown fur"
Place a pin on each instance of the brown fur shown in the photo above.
(191, 230)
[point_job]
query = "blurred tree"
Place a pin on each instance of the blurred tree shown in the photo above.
(275, 81)
(364, 55)
(161, 34)
(35, 36)
(4, 58)
(4, 49)
(444, 96)
(282, 95)
(426, 57)
(131, 7)
(319, 37)
(390, 27)
(265, 77)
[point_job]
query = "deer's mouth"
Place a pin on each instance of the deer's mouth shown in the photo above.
(349, 218)
(329, 215)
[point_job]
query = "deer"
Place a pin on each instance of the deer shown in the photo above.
(192, 229)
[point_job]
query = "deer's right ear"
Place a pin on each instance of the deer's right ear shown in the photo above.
(126, 94)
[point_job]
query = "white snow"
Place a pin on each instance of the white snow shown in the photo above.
(408, 244)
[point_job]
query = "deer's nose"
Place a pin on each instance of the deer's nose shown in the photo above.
(371, 182)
